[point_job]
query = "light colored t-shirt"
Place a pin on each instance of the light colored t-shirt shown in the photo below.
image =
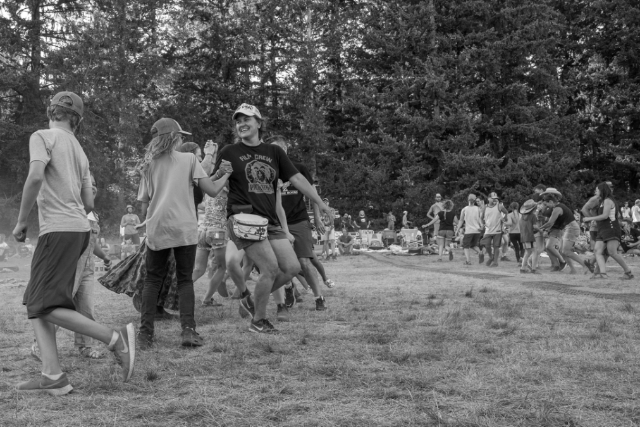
(473, 225)
(635, 213)
(493, 220)
(66, 173)
(129, 222)
(167, 186)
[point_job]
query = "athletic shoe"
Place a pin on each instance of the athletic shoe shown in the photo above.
(627, 276)
(246, 308)
(466, 263)
(58, 387)
(524, 271)
(450, 255)
(124, 350)
(190, 338)
(145, 341)
(330, 283)
(321, 304)
(289, 297)
(480, 258)
(563, 264)
(535, 272)
(283, 313)
(493, 264)
(555, 268)
(489, 262)
(505, 258)
(210, 303)
(262, 326)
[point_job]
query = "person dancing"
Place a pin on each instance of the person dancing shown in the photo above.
(608, 236)
(252, 189)
(166, 195)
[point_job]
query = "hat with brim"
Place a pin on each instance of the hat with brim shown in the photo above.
(247, 110)
(528, 206)
(494, 195)
(552, 190)
(69, 100)
(165, 126)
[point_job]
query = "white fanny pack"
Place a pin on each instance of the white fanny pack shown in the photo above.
(250, 227)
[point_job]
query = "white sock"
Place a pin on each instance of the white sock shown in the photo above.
(114, 340)
(53, 377)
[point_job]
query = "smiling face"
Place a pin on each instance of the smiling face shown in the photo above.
(438, 198)
(247, 126)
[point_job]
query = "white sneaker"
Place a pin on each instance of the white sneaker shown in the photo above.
(330, 283)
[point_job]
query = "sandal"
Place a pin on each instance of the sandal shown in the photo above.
(90, 353)
(627, 275)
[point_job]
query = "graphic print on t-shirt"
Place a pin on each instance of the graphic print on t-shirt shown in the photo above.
(260, 177)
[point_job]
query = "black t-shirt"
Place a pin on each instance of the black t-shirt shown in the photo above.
(446, 220)
(361, 222)
(254, 180)
(565, 218)
(293, 200)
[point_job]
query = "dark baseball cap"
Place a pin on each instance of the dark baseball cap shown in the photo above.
(68, 100)
(165, 125)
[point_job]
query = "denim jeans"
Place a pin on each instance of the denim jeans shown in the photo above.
(156, 264)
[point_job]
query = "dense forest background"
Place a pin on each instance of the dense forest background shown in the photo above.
(388, 102)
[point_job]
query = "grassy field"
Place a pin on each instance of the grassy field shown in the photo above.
(415, 343)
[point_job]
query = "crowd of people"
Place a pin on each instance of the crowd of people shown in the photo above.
(239, 209)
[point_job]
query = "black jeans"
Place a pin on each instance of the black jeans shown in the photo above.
(156, 271)
(517, 244)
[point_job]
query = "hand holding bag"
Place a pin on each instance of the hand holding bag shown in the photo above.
(250, 227)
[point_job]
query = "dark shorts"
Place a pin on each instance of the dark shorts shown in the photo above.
(447, 234)
(494, 240)
(606, 234)
(593, 235)
(303, 246)
(470, 240)
(274, 232)
(53, 272)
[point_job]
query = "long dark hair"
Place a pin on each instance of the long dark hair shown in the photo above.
(606, 193)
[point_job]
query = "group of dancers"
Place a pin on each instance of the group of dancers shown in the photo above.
(254, 215)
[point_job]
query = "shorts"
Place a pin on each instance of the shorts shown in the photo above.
(494, 240)
(274, 232)
(211, 238)
(447, 234)
(571, 232)
(606, 234)
(556, 233)
(303, 245)
(593, 235)
(529, 245)
(53, 272)
(329, 235)
(470, 240)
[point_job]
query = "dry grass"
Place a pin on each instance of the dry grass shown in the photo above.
(396, 347)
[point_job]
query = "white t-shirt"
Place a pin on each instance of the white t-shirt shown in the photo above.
(635, 213)
(472, 221)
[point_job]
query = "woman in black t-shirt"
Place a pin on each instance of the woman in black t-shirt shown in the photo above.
(253, 186)
(448, 219)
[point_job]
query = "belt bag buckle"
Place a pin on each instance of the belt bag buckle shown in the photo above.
(250, 227)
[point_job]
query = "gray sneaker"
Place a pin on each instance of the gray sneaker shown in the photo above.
(58, 387)
(283, 313)
(321, 304)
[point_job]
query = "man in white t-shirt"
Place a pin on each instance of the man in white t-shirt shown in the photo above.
(470, 216)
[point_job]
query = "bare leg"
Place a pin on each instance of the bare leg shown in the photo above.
(612, 248)
(217, 281)
(233, 257)
(278, 296)
(600, 246)
(278, 264)
(311, 275)
(441, 241)
(318, 265)
(46, 339)
(567, 251)
(552, 248)
(202, 256)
